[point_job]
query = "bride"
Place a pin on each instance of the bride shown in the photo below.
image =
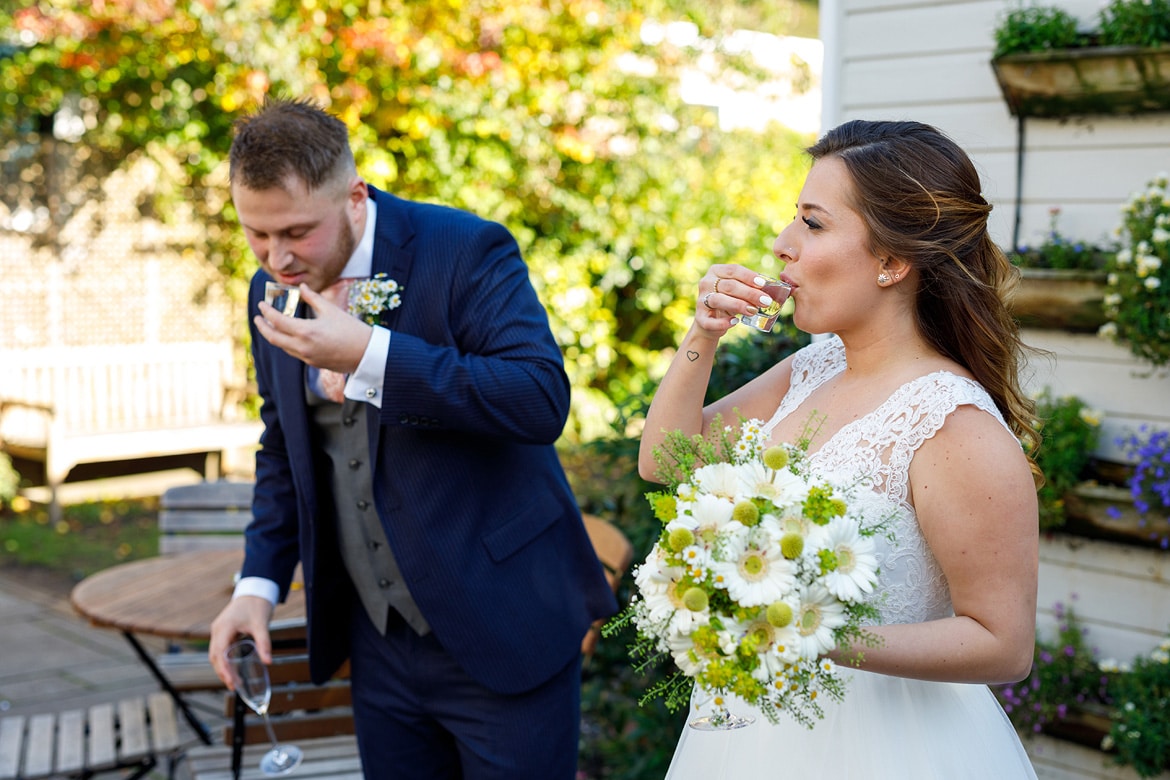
(890, 253)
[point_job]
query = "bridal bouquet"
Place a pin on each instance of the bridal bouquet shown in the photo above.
(761, 569)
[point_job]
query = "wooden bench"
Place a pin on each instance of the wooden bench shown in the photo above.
(134, 734)
(316, 718)
(204, 516)
(64, 406)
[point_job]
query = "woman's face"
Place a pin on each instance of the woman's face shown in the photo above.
(827, 250)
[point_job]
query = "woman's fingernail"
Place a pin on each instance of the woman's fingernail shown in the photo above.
(765, 300)
(760, 281)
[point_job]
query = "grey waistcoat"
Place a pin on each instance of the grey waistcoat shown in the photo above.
(364, 549)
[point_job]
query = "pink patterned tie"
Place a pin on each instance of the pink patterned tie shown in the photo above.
(332, 383)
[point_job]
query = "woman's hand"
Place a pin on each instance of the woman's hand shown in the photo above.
(726, 293)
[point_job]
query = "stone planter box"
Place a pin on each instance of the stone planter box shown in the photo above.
(1108, 512)
(1060, 299)
(1094, 80)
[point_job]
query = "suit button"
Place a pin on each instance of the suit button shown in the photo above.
(384, 583)
(373, 545)
(414, 419)
(402, 419)
(363, 505)
(348, 421)
(355, 463)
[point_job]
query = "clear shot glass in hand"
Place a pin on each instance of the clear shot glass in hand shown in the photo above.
(766, 317)
(250, 681)
(282, 297)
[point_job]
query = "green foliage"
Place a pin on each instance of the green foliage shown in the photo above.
(745, 355)
(1068, 431)
(1141, 719)
(557, 120)
(1058, 251)
(1065, 677)
(1039, 28)
(1135, 23)
(1035, 28)
(1137, 299)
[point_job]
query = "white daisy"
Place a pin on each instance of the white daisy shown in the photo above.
(753, 568)
(717, 479)
(856, 571)
(819, 615)
(710, 515)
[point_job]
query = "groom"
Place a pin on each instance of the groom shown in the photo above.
(443, 552)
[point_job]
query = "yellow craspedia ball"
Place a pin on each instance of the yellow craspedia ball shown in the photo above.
(695, 600)
(746, 513)
(791, 545)
(680, 539)
(775, 458)
(779, 614)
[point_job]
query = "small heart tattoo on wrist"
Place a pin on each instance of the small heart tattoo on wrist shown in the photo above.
(692, 355)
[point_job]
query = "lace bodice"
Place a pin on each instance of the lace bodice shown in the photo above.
(876, 450)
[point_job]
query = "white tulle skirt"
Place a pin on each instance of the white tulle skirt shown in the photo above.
(886, 728)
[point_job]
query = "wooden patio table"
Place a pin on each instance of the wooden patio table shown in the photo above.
(169, 596)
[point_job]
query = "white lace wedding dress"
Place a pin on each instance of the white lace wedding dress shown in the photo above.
(886, 727)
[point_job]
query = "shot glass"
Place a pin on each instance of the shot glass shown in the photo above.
(766, 317)
(282, 297)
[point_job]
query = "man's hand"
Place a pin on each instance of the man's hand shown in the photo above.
(247, 616)
(332, 338)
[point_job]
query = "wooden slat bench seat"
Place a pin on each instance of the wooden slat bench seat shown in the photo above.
(204, 516)
(134, 734)
(68, 405)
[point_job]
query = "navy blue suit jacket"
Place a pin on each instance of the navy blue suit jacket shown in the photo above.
(467, 482)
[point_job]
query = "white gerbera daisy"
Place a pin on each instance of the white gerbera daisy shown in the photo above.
(682, 650)
(710, 515)
(856, 564)
(753, 569)
(778, 649)
(819, 615)
(717, 479)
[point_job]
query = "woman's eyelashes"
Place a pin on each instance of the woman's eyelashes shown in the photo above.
(812, 223)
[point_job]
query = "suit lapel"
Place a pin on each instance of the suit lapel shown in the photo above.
(392, 235)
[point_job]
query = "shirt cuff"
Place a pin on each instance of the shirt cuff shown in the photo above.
(257, 586)
(365, 384)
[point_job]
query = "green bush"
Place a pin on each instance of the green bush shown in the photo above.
(1035, 28)
(1135, 23)
(1141, 719)
(1068, 430)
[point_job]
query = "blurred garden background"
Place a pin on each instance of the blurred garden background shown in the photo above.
(627, 145)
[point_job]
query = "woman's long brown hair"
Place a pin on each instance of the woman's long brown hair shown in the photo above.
(920, 195)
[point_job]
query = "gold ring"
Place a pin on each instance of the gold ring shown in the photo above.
(705, 303)
(717, 281)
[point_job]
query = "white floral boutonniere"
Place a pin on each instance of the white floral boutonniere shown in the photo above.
(368, 298)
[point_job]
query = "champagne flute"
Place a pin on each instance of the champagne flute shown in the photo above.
(250, 681)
